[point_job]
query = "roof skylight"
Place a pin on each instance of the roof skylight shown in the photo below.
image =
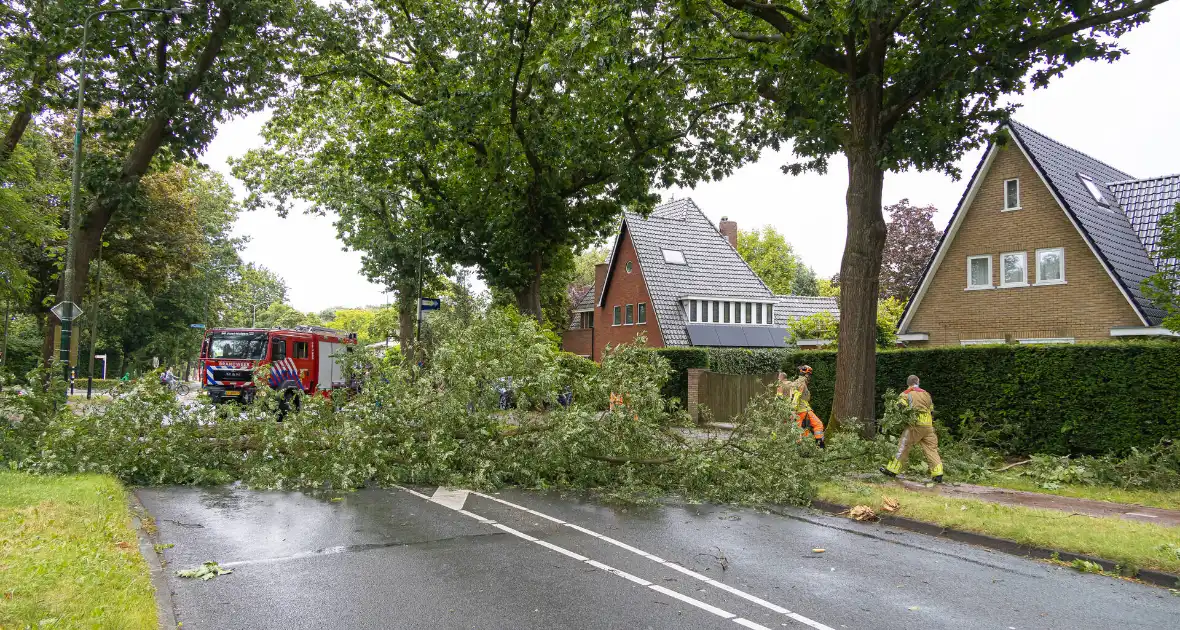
(1095, 191)
(674, 257)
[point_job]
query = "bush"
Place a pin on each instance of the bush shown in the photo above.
(679, 361)
(1066, 399)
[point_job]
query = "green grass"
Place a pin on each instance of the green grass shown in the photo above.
(1168, 499)
(69, 556)
(1130, 543)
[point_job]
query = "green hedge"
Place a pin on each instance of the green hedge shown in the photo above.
(682, 359)
(1061, 399)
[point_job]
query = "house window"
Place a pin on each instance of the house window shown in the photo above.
(1012, 194)
(980, 342)
(725, 313)
(674, 257)
(769, 314)
(758, 314)
(1046, 340)
(587, 319)
(1014, 269)
(630, 314)
(1094, 190)
(628, 267)
(1051, 266)
(692, 310)
(979, 272)
(716, 311)
(300, 350)
(749, 309)
(642, 313)
(618, 316)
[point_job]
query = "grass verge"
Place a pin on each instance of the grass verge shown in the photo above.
(1129, 543)
(69, 556)
(1167, 499)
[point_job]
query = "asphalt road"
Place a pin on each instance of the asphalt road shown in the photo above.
(427, 558)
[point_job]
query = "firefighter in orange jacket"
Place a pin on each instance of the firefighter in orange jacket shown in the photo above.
(800, 397)
(920, 432)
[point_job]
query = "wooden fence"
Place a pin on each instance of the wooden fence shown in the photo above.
(726, 395)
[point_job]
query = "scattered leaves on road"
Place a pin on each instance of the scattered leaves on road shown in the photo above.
(206, 571)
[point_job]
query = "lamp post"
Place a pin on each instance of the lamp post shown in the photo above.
(7, 316)
(94, 326)
(72, 225)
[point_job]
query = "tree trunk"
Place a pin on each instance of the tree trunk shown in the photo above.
(406, 312)
(24, 112)
(528, 299)
(135, 165)
(856, 361)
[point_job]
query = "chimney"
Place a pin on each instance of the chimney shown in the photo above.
(728, 229)
(599, 277)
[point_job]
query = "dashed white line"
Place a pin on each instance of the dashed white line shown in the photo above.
(671, 565)
(724, 614)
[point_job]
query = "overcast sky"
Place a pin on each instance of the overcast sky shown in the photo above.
(1126, 114)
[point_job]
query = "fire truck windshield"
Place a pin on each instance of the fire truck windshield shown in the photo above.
(235, 345)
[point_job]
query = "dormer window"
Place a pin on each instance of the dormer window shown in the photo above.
(711, 311)
(674, 257)
(1094, 190)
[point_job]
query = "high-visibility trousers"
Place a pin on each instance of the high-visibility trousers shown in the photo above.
(921, 434)
(810, 423)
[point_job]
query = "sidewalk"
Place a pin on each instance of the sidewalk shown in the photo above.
(1086, 507)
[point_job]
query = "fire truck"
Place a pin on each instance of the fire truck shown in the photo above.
(304, 359)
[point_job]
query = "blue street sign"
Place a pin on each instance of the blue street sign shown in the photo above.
(196, 325)
(430, 304)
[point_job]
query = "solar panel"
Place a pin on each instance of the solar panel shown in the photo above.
(719, 335)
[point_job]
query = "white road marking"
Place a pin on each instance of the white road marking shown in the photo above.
(1140, 514)
(450, 497)
(671, 565)
(724, 614)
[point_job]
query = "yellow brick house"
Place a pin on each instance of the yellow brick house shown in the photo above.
(1047, 245)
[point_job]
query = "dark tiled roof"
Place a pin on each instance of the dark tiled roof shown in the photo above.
(1106, 228)
(713, 267)
(586, 303)
(1145, 202)
(788, 307)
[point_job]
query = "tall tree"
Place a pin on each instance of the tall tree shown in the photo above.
(770, 256)
(805, 281)
(169, 85)
(910, 241)
(522, 127)
(1164, 287)
(893, 84)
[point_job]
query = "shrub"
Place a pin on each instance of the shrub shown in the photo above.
(679, 361)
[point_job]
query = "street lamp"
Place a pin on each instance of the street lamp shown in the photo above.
(94, 325)
(71, 226)
(254, 313)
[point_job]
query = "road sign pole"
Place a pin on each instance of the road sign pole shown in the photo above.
(94, 320)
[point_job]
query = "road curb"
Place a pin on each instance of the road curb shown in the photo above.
(1150, 576)
(165, 611)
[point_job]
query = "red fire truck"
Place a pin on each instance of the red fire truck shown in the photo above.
(303, 359)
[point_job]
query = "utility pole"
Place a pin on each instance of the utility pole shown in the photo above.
(7, 317)
(76, 183)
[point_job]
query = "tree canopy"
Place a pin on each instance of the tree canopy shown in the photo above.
(1164, 287)
(770, 256)
(910, 241)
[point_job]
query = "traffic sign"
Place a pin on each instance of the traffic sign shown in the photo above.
(66, 311)
(430, 304)
(155, 362)
(196, 325)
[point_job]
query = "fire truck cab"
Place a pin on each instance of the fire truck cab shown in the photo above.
(302, 359)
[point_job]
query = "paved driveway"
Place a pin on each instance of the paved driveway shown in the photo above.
(431, 558)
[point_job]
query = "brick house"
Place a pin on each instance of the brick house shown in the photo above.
(1047, 245)
(678, 279)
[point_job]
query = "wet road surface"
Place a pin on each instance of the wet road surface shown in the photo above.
(432, 558)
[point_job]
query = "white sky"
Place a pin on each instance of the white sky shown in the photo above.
(1126, 114)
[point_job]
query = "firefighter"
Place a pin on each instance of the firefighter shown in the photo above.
(920, 432)
(800, 397)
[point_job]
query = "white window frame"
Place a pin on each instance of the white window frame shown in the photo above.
(618, 316)
(1046, 340)
(641, 313)
(990, 284)
(981, 342)
(1061, 252)
(1092, 188)
(1008, 208)
(1008, 285)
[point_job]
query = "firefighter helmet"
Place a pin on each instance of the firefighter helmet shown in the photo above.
(804, 370)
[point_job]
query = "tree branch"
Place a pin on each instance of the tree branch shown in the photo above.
(513, 108)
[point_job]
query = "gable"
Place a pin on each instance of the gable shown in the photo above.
(1090, 299)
